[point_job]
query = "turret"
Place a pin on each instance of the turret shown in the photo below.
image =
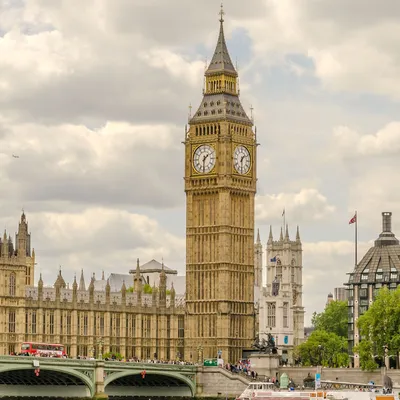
(172, 296)
(298, 235)
(258, 251)
(270, 237)
(4, 245)
(108, 291)
(82, 285)
(138, 279)
(22, 237)
(123, 293)
(40, 288)
(163, 287)
(287, 234)
(74, 291)
(154, 295)
(60, 283)
(91, 289)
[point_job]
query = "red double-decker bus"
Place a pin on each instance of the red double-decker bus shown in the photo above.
(43, 349)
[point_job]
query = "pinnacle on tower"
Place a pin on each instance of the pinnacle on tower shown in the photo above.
(270, 237)
(102, 275)
(258, 237)
(82, 285)
(281, 235)
(297, 234)
(287, 233)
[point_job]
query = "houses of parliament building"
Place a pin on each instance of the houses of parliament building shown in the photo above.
(216, 310)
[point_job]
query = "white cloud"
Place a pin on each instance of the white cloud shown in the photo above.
(119, 163)
(98, 239)
(382, 143)
(305, 205)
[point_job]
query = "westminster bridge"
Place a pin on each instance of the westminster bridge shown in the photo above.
(56, 377)
(50, 377)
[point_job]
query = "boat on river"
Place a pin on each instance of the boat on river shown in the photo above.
(268, 391)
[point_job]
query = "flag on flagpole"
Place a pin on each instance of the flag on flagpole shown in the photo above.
(353, 220)
(273, 259)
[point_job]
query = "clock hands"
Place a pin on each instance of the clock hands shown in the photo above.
(204, 161)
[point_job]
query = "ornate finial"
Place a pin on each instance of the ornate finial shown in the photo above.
(206, 64)
(190, 110)
(221, 13)
(251, 113)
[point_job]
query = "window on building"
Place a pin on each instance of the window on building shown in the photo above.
(271, 315)
(11, 321)
(363, 293)
(101, 325)
(85, 324)
(181, 326)
(279, 270)
(69, 324)
(33, 322)
(364, 277)
(285, 315)
(51, 322)
(12, 284)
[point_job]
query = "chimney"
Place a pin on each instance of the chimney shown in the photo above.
(386, 222)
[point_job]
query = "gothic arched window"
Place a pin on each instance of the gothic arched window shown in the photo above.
(12, 285)
(279, 270)
(293, 271)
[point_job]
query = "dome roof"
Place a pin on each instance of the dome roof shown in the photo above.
(381, 263)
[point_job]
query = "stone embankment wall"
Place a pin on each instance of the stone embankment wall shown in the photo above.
(216, 381)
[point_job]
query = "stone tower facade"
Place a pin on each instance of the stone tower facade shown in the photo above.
(281, 309)
(258, 265)
(220, 185)
(17, 268)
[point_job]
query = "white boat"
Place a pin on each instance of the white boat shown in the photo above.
(268, 391)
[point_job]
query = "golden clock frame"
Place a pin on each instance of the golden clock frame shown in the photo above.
(250, 150)
(194, 170)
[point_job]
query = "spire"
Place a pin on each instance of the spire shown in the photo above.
(287, 233)
(82, 282)
(221, 61)
(123, 288)
(102, 276)
(281, 235)
(40, 280)
(74, 284)
(297, 234)
(258, 237)
(270, 237)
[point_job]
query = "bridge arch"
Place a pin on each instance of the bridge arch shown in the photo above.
(27, 372)
(171, 377)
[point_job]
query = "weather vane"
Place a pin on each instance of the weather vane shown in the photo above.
(221, 13)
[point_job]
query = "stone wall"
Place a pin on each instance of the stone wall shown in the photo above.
(215, 381)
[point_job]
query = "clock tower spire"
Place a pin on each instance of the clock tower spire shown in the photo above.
(220, 185)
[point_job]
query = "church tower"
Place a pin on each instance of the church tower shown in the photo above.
(220, 185)
(281, 307)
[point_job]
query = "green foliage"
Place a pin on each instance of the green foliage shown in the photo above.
(147, 289)
(333, 319)
(365, 351)
(110, 355)
(379, 327)
(168, 292)
(323, 348)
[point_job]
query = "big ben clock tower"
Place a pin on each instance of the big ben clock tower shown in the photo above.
(220, 185)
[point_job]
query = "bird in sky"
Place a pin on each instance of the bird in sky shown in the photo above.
(15, 156)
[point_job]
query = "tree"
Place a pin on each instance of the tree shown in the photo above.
(323, 348)
(379, 328)
(333, 319)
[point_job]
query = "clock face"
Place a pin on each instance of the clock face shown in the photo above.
(242, 160)
(204, 159)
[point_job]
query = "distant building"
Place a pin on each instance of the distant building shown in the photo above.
(281, 312)
(379, 267)
(329, 299)
(340, 294)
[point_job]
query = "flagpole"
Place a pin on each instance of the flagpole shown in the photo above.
(355, 241)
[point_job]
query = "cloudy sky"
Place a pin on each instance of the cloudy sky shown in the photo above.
(94, 98)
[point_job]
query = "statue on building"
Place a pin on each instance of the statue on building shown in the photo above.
(265, 346)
